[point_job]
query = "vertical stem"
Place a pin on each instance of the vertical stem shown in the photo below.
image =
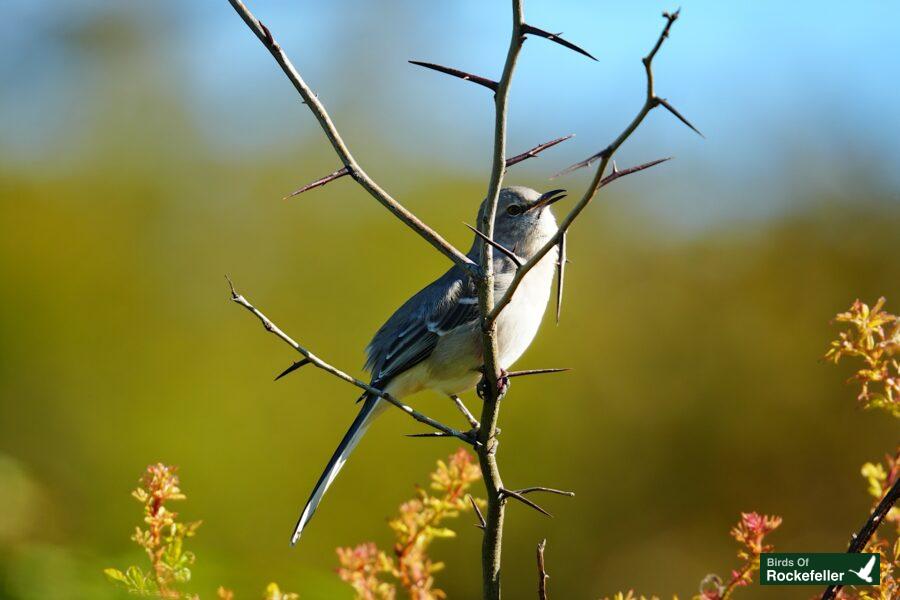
(487, 452)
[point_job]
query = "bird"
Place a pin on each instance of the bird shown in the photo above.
(433, 341)
(866, 572)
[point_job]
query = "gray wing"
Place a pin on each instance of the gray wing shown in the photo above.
(412, 332)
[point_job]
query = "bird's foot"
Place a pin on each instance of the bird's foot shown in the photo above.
(503, 384)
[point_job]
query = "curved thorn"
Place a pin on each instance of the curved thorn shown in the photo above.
(554, 37)
(491, 85)
(540, 488)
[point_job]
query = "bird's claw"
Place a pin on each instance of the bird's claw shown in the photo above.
(503, 384)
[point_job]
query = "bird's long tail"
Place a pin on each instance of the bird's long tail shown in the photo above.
(371, 408)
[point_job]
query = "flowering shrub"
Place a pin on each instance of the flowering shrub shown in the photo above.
(750, 533)
(880, 477)
(375, 574)
(163, 541)
(873, 336)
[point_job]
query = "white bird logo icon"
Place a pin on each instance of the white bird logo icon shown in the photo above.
(866, 572)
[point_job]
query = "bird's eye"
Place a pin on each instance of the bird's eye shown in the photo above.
(514, 210)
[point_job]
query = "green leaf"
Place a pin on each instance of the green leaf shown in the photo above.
(116, 575)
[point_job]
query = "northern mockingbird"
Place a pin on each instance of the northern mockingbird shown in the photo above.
(433, 341)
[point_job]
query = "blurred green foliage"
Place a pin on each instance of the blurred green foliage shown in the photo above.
(698, 388)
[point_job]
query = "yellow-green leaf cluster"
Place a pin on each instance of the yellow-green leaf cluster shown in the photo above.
(873, 336)
(163, 539)
(377, 575)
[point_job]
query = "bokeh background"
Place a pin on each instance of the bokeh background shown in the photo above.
(145, 149)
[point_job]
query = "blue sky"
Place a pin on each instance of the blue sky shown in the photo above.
(772, 85)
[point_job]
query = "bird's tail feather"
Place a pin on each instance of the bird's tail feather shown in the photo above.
(370, 409)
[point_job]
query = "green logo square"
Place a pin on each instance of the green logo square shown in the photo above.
(819, 568)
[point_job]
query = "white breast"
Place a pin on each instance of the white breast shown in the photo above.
(520, 320)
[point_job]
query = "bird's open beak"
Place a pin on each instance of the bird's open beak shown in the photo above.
(547, 199)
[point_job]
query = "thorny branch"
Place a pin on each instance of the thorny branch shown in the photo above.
(651, 101)
(487, 433)
(354, 170)
(310, 358)
(485, 442)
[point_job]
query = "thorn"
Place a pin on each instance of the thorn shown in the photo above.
(524, 500)
(481, 522)
(505, 251)
(541, 488)
(320, 182)
(430, 434)
(536, 150)
(270, 40)
(536, 372)
(554, 37)
(615, 169)
(560, 275)
(293, 367)
(491, 85)
(665, 104)
(617, 174)
(579, 165)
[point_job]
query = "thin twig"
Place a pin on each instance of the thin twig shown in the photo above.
(532, 153)
(862, 538)
(465, 411)
(318, 109)
(318, 362)
(542, 571)
(651, 101)
(481, 523)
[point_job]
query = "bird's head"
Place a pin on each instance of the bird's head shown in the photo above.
(523, 222)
